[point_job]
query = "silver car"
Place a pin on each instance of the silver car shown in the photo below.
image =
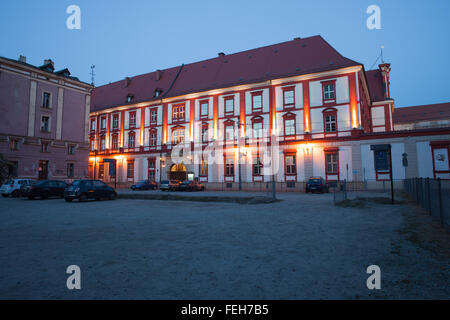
(13, 187)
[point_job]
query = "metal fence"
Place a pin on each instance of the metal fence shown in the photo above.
(340, 191)
(433, 195)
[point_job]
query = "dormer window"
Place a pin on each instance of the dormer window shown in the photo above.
(130, 98)
(157, 93)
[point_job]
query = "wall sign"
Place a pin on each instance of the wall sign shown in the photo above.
(440, 158)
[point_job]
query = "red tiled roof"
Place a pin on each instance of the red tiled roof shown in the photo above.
(375, 83)
(296, 57)
(439, 111)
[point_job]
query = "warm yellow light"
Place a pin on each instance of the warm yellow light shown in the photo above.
(308, 149)
(92, 159)
(119, 157)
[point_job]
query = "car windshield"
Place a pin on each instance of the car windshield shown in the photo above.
(165, 182)
(314, 180)
(41, 183)
(142, 181)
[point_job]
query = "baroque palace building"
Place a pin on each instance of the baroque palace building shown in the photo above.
(287, 112)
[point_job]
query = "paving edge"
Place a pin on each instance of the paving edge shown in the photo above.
(240, 200)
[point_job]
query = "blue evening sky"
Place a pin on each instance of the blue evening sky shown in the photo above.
(127, 38)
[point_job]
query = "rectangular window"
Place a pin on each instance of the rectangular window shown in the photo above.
(204, 106)
(290, 165)
(229, 133)
(92, 145)
(178, 113)
(330, 123)
(45, 147)
(257, 166)
(229, 105)
(289, 127)
(203, 172)
(130, 169)
(115, 142)
(132, 120)
(92, 125)
(257, 102)
(153, 138)
(329, 91)
(131, 140)
(103, 123)
(115, 121)
(204, 134)
(45, 124)
(229, 166)
(151, 169)
(153, 116)
(102, 143)
(14, 144)
(46, 100)
(258, 130)
(70, 170)
(71, 149)
(101, 170)
(178, 136)
(288, 98)
(332, 163)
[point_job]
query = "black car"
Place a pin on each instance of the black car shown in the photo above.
(89, 189)
(144, 185)
(316, 184)
(45, 189)
(191, 186)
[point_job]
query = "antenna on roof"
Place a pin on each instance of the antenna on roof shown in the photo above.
(92, 75)
(382, 59)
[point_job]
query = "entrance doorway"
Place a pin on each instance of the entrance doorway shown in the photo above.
(178, 172)
(43, 169)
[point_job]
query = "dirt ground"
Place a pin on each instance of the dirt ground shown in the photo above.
(300, 248)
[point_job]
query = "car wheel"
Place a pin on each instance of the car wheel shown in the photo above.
(112, 196)
(15, 193)
(68, 200)
(83, 197)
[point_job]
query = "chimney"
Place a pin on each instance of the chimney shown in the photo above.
(22, 59)
(385, 69)
(221, 54)
(158, 75)
(127, 81)
(49, 61)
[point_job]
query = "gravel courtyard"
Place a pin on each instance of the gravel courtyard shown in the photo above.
(300, 248)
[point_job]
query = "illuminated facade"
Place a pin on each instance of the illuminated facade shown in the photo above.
(285, 112)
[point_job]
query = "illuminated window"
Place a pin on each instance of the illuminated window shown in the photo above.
(92, 145)
(203, 172)
(258, 129)
(102, 143)
(178, 136)
(92, 125)
(153, 116)
(229, 133)
(178, 113)
(130, 169)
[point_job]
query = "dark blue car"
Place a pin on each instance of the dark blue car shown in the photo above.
(144, 185)
(89, 189)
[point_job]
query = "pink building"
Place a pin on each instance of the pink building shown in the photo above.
(44, 123)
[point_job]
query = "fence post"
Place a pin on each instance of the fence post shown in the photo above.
(441, 214)
(428, 195)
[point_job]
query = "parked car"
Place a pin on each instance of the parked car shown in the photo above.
(144, 185)
(45, 189)
(89, 189)
(316, 184)
(169, 185)
(13, 187)
(191, 186)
